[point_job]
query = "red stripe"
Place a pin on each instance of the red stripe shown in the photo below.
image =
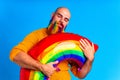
(24, 74)
(42, 45)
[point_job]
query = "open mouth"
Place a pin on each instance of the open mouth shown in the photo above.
(60, 25)
(60, 29)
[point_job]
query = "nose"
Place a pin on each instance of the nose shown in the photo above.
(62, 20)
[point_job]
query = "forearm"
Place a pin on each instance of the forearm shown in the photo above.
(26, 61)
(89, 52)
(85, 69)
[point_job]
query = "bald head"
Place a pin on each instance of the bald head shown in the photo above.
(63, 9)
(61, 15)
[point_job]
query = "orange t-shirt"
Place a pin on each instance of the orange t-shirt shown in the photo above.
(33, 38)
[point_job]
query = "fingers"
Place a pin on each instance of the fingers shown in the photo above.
(82, 47)
(93, 45)
(87, 48)
(56, 62)
(52, 67)
(55, 65)
(85, 43)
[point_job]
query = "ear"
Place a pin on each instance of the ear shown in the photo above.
(52, 15)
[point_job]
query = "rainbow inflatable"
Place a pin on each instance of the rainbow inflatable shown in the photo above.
(61, 46)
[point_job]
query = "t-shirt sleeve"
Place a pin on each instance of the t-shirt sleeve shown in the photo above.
(28, 42)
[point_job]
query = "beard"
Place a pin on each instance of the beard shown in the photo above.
(57, 27)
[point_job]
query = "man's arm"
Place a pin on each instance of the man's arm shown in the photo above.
(20, 56)
(89, 53)
(84, 70)
(26, 61)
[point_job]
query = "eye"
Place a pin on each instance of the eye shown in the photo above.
(66, 19)
(59, 15)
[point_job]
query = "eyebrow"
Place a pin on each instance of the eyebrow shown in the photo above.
(59, 14)
(62, 15)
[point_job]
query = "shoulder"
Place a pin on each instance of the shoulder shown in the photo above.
(40, 31)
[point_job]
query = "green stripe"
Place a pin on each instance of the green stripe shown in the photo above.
(59, 54)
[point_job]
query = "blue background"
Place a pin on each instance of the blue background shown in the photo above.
(98, 20)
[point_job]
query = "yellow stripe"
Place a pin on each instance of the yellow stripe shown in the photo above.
(59, 47)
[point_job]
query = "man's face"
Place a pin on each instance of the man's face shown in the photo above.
(61, 16)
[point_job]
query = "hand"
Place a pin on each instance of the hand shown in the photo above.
(48, 69)
(88, 49)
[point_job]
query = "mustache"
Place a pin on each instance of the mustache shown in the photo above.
(60, 24)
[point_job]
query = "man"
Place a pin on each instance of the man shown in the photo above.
(19, 53)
